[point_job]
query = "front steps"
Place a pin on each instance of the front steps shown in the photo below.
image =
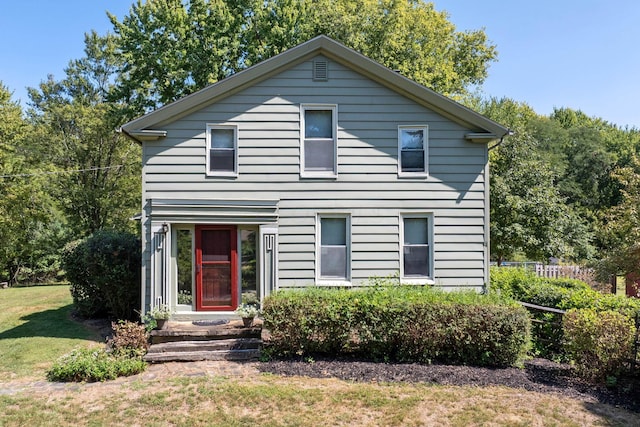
(182, 342)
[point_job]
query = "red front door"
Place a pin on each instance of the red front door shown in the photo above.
(216, 267)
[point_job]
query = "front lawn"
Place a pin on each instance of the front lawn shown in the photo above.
(36, 329)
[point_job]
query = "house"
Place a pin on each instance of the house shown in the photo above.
(318, 167)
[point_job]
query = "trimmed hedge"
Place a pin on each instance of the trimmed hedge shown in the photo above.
(406, 324)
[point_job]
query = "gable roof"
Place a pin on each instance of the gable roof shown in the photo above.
(146, 127)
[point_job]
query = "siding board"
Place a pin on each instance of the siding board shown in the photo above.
(367, 187)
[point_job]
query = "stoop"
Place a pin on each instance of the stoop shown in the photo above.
(182, 341)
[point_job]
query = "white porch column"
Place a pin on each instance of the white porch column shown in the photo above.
(160, 265)
(268, 260)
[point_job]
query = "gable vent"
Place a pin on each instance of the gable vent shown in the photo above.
(320, 70)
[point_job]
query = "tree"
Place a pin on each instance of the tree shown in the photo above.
(528, 214)
(25, 208)
(98, 183)
(171, 48)
(620, 232)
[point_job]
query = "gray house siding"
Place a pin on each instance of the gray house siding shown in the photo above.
(367, 186)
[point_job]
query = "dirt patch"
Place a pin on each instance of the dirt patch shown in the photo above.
(538, 375)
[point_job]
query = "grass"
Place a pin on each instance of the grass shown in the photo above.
(269, 400)
(36, 328)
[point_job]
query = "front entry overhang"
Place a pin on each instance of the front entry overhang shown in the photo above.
(213, 211)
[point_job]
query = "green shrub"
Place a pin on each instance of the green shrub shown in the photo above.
(93, 365)
(565, 294)
(87, 298)
(408, 324)
(130, 339)
(104, 271)
(600, 343)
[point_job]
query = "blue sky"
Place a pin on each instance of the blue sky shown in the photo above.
(564, 53)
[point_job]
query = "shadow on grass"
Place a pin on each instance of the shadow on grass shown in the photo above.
(55, 323)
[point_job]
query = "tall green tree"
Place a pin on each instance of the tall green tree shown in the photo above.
(171, 48)
(98, 179)
(25, 207)
(620, 232)
(529, 216)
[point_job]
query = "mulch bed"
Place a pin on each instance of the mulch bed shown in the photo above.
(538, 375)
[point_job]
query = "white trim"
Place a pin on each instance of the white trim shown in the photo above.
(209, 172)
(334, 129)
(173, 276)
(417, 280)
(332, 281)
(267, 232)
(409, 174)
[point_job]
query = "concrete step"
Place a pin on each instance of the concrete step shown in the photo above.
(213, 345)
(192, 356)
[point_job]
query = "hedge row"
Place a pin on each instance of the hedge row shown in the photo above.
(523, 285)
(405, 324)
(596, 333)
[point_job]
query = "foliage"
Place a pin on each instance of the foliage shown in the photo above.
(75, 132)
(528, 213)
(28, 244)
(171, 48)
(94, 365)
(564, 294)
(621, 229)
(130, 339)
(160, 312)
(88, 300)
(105, 269)
(185, 297)
(600, 342)
(247, 310)
(398, 323)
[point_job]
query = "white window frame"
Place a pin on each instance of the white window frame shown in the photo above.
(333, 281)
(414, 174)
(417, 280)
(334, 129)
(210, 128)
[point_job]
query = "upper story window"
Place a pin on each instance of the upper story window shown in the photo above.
(318, 152)
(222, 150)
(413, 144)
(416, 248)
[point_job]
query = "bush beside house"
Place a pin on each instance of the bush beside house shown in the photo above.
(104, 271)
(406, 324)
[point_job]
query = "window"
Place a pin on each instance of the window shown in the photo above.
(222, 150)
(334, 248)
(319, 142)
(416, 251)
(412, 150)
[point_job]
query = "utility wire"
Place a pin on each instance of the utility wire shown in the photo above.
(93, 168)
